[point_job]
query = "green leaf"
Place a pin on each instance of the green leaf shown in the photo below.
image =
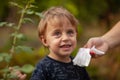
(33, 6)
(16, 67)
(6, 24)
(1, 58)
(2, 24)
(5, 56)
(27, 20)
(24, 49)
(12, 76)
(27, 68)
(5, 70)
(10, 25)
(19, 36)
(39, 14)
(16, 4)
(29, 11)
(8, 58)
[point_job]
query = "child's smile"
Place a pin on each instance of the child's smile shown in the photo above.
(66, 47)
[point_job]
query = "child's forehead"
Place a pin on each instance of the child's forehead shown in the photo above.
(59, 21)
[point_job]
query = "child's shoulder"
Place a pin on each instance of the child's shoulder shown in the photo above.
(44, 62)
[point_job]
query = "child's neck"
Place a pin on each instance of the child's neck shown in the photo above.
(61, 59)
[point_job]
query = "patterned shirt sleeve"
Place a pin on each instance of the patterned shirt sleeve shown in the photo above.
(38, 73)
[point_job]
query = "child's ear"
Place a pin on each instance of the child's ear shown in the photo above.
(43, 40)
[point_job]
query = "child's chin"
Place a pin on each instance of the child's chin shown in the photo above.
(66, 54)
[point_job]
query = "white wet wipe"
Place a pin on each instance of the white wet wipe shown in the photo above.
(83, 56)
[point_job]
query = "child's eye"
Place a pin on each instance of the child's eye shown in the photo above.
(57, 33)
(70, 32)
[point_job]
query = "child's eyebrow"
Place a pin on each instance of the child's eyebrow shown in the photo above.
(55, 30)
(70, 29)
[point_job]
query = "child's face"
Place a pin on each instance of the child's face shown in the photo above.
(60, 39)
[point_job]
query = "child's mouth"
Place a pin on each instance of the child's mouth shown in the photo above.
(65, 46)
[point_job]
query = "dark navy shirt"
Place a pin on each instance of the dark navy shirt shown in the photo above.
(50, 69)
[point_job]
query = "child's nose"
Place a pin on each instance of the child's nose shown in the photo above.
(65, 37)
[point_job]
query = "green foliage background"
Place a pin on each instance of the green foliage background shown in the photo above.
(95, 16)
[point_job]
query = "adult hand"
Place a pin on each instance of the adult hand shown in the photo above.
(99, 44)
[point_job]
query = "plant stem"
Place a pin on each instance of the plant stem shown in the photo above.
(18, 28)
(12, 50)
